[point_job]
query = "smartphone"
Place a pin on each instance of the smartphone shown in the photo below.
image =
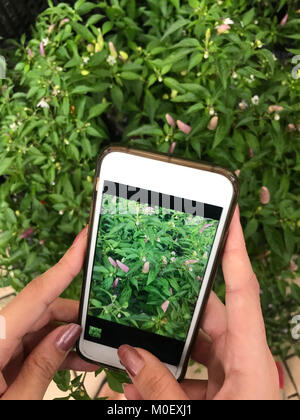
(157, 229)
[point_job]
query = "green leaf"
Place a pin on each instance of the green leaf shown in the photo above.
(86, 8)
(5, 164)
(175, 27)
(295, 292)
(97, 110)
(173, 84)
(116, 380)
(150, 130)
(248, 17)
(251, 228)
(117, 97)
(83, 32)
(129, 75)
(62, 379)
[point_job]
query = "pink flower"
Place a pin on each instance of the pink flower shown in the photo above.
(51, 29)
(237, 172)
(171, 291)
(170, 120)
(275, 108)
(27, 233)
(66, 20)
(284, 20)
(188, 262)
(213, 124)
(42, 50)
(30, 53)
(265, 196)
(112, 261)
(115, 283)
(186, 129)
(122, 266)
(165, 305)
(222, 29)
(199, 278)
(172, 148)
(146, 267)
(291, 128)
(205, 226)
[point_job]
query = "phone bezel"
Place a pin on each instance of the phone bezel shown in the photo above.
(90, 351)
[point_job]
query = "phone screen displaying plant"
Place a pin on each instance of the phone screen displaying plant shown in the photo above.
(151, 255)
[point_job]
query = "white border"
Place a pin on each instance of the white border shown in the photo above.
(166, 178)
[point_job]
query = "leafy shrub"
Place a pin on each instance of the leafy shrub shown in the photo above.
(166, 257)
(108, 71)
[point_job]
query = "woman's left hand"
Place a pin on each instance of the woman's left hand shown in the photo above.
(32, 347)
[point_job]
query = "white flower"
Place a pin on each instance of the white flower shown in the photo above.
(43, 104)
(276, 117)
(13, 126)
(228, 21)
(86, 60)
(111, 60)
(243, 105)
(45, 41)
(234, 75)
(206, 55)
(173, 259)
(255, 100)
(211, 112)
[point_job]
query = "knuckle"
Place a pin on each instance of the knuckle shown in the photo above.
(41, 366)
(157, 385)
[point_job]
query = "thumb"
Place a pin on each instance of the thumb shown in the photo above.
(40, 366)
(151, 378)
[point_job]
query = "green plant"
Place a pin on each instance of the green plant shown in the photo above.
(149, 265)
(108, 71)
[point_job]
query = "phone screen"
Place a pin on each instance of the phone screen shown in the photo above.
(150, 259)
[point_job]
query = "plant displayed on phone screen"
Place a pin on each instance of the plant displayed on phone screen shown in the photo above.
(149, 266)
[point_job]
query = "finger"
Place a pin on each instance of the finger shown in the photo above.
(195, 389)
(41, 365)
(131, 393)
(214, 320)
(201, 351)
(74, 362)
(30, 305)
(61, 310)
(151, 378)
(242, 288)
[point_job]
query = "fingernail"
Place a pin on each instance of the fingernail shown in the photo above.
(131, 360)
(68, 337)
(79, 236)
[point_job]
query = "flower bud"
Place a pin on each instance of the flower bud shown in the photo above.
(146, 267)
(170, 120)
(186, 129)
(222, 29)
(213, 124)
(265, 196)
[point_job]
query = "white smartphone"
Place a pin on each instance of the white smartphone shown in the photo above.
(157, 229)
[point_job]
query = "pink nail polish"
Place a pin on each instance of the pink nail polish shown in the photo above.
(131, 360)
(68, 337)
